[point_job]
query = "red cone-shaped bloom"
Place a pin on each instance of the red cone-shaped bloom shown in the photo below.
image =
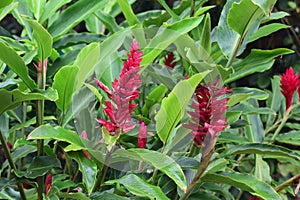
(48, 184)
(289, 84)
(170, 61)
(119, 108)
(142, 137)
(208, 108)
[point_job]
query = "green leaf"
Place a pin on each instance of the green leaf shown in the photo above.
(73, 39)
(108, 21)
(43, 39)
(50, 9)
(245, 182)
(88, 168)
(262, 169)
(56, 133)
(69, 195)
(41, 165)
(292, 137)
(163, 39)
(65, 84)
(28, 123)
(139, 187)
(86, 61)
(237, 12)
(95, 91)
(128, 12)
(256, 61)
(232, 116)
(160, 161)
(253, 92)
(106, 195)
(267, 30)
(14, 98)
(173, 106)
(5, 3)
(205, 42)
(73, 15)
(15, 62)
(154, 97)
(6, 10)
(265, 5)
(36, 7)
(237, 98)
(256, 148)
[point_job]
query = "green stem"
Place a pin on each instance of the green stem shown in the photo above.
(193, 150)
(168, 9)
(287, 183)
(12, 164)
(283, 121)
(103, 171)
(234, 53)
(192, 8)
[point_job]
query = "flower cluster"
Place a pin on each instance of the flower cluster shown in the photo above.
(170, 61)
(289, 84)
(123, 92)
(208, 108)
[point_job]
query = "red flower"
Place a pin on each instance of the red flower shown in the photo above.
(289, 84)
(208, 109)
(48, 184)
(169, 60)
(142, 137)
(84, 135)
(254, 198)
(119, 108)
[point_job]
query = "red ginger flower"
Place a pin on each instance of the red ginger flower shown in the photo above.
(124, 91)
(169, 60)
(289, 84)
(208, 109)
(48, 184)
(142, 137)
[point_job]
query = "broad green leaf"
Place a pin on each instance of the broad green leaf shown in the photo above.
(245, 182)
(168, 35)
(160, 161)
(95, 91)
(262, 169)
(253, 92)
(108, 21)
(56, 133)
(247, 109)
(18, 153)
(5, 11)
(14, 98)
(5, 3)
(275, 100)
(173, 107)
(41, 165)
(15, 62)
(265, 5)
(254, 131)
(205, 42)
(177, 139)
(268, 149)
(93, 24)
(75, 195)
(292, 137)
(274, 16)
(256, 61)
(36, 7)
(28, 123)
(237, 98)
(8, 82)
(232, 116)
(246, 10)
(73, 39)
(107, 196)
(73, 15)
(267, 30)
(139, 187)
(88, 168)
(43, 39)
(232, 137)
(128, 12)
(86, 61)
(154, 97)
(50, 9)
(65, 81)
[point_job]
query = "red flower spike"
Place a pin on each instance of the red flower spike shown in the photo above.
(289, 84)
(84, 135)
(48, 184)
(169, 61)
(119, 108)
(208, 109)
(142, 137)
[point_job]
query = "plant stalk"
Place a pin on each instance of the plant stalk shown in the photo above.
(103, 171)
(283, 121)
(12, 164)
(287, 183)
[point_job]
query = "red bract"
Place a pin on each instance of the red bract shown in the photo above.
(84, 135)
(169, 60)
(208, 109)
(142, 137)
(48, 184)
(289, 84)
(119, 108)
